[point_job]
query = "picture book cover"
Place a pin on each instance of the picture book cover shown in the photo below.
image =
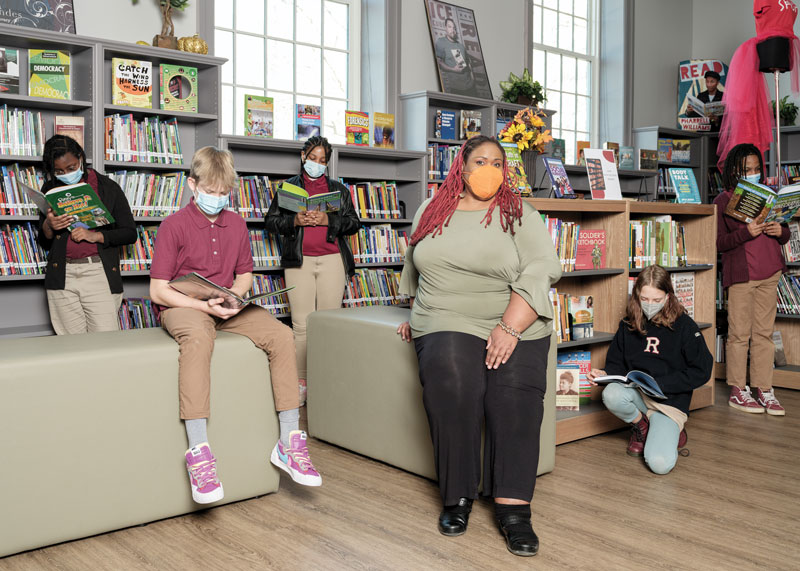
(754, 201)
(49, 74)
(591, 249)
(9, 71)
(665, 150)
(445, 125)
(557, 149)
(258, 116)
(648, 159)
(178, 87)
(636, 379)
(307, 121)
(693, 86)
(568, 390)
(470, 123)
(517, 178)
(579, 148)
(685, 185)
(383, 131)
(683, 284)
(71, 126)
(559, 180)
(581, 315)
(295, 198)
(131, 83)
(584, 361)
(196, 286)
(356, 127)
(681, 151)
(602, 172)
(626, 158)
(78, 200)
(609, 146)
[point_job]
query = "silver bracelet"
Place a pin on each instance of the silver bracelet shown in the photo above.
(510, 330)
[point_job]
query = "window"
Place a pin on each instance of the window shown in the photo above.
(564, 62)
(295, 51)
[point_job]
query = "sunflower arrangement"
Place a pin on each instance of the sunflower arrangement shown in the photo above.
(527, 131)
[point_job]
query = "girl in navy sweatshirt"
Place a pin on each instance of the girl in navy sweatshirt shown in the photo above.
(659, 338)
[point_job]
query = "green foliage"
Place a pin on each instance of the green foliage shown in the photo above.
(523, 87)
(787, 110)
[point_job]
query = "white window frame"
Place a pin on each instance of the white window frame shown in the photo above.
(593, 31)
(353, 100)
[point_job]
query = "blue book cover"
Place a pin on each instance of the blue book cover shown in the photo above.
(685, 185)
(444, 124)
(307, 121)
(558, 178)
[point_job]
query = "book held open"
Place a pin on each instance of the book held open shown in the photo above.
(196, 286)
(295, 198)
(79, 200)
(754, 201)
(636, 379)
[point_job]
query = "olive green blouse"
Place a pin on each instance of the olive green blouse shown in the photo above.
(462, 279)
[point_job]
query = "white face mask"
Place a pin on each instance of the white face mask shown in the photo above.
(651, 309)
(314, 169)
(755, 178)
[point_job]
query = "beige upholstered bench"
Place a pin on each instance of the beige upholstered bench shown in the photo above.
(90, 438)
(364, 392)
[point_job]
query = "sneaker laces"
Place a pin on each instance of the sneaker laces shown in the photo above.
(746, 396)
(769, 397)
(300, 456)
(204, 473)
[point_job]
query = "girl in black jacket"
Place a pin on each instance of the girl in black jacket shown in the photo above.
(316, 257)
(83, 283)
(660, 339)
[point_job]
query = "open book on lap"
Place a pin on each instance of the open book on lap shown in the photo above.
(196, 286)
(636, 379)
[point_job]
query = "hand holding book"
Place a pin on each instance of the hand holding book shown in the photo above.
(635, 379)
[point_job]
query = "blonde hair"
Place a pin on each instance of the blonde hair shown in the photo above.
(214, 168)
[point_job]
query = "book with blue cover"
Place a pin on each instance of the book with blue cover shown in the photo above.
(636, 379)
(445, 124)
(685, 185)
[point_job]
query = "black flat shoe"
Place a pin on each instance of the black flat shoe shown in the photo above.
(453, 519)
(520, 537)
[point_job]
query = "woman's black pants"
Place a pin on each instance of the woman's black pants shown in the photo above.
(460, 393)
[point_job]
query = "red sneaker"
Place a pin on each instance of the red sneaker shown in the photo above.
(638, 437)
(743, 400)
(683, 438)
(769, 402)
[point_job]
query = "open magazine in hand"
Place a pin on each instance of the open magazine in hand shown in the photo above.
(196, 286)
(636, 379)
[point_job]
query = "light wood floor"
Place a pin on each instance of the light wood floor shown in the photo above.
(734, 503)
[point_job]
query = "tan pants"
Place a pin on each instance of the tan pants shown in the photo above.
(86, 303)
(318, 284)
(751, 318)
(195, 332)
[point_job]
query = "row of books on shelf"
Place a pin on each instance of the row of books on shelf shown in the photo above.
(375, 199)
(254, 195)
(440, 158)
(20, 253)
(13, 200)
(574, 316)
(789, 294)
(378, 244)
(683, 286)
(373, 287)
(265, 248)
(150, 140)
(656, 240)
(23, 132)
(277, 305)
(151, 194)
(139, 255)
(454, 125)
(573, 388)
(577, 249)
(791, 249)
(137, 313)
(715, 185)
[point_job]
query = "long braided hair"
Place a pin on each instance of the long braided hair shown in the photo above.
(735, 164)
(440, 210)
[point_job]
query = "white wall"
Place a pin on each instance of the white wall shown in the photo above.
(720, 26)
(127, 22)
(500, 27)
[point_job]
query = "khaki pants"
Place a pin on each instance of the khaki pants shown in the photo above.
(195, 332)
(318, 284)
(751, 318)
(86, 303)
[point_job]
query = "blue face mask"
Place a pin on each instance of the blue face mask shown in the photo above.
(314, 170)
(209, 203)
(73, 177)
(756, 178)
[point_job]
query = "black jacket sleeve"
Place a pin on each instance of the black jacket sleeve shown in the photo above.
(345, 222)
(697, 360)
(615, 358)
(124, 230)
(279, 222)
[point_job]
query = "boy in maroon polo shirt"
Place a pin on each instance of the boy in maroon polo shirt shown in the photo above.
(202, 237)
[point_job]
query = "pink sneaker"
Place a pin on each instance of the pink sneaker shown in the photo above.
(769, 402)
(202, 468)
(743, 400)
(295, 461)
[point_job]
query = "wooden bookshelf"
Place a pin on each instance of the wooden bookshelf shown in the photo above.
(611, 286)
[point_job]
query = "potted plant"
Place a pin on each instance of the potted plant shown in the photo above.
(787, 111)
(167, 39)
(522, 90)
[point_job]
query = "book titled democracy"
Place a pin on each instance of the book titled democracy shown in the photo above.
(196, 286)
(78, 200)
(636, 379)
(295, 198)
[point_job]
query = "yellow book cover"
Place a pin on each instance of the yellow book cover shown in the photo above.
(383, 130)
(131, 83)
(49, 74)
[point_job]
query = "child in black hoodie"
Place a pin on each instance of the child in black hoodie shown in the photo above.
(659, 338)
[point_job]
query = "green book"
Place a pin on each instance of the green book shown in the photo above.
(49, 74)
(178, 87)
(79, 200)
(295, 198)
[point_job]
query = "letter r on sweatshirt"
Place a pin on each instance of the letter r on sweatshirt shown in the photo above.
(652, 345)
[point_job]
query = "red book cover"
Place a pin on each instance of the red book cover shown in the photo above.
(591, 254)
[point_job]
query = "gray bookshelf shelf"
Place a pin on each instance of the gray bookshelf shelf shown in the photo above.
(598, 337)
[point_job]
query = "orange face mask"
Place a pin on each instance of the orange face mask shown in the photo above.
(485, 181)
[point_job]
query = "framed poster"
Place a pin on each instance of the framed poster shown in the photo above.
(55, 15)
(457, 50)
